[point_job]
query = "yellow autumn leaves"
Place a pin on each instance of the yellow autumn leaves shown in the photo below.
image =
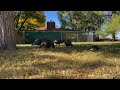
(34, 22)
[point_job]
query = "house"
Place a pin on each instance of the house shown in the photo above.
(49, 26)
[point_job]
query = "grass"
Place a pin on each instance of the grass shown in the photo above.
(62, 62)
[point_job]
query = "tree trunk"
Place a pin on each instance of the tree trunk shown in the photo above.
(7, 30)
(113, 37)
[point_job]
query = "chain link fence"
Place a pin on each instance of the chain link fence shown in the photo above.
(76, 36)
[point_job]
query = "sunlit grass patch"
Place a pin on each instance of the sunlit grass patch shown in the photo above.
(75, 62)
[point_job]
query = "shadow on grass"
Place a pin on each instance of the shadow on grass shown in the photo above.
(58, 77)
(91, 65)
(65, 64)
(54, 63)
(113, 48)
(61, 63)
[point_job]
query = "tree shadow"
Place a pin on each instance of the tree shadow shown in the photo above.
(67, 50)
(113, 48)
(58, 77)
(56, 63)
(91, 65)
(66, 64)
(61, 63)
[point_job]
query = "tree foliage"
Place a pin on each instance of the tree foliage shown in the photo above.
(111, 27)
(29, 19)
(81, 19)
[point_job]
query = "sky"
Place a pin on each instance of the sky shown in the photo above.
(52, 15)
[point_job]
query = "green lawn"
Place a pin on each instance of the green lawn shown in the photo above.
(62, 62)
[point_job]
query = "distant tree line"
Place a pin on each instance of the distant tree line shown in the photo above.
(103, 22)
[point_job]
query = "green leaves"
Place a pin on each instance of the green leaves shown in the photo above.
(79, 20)
(111, 26)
